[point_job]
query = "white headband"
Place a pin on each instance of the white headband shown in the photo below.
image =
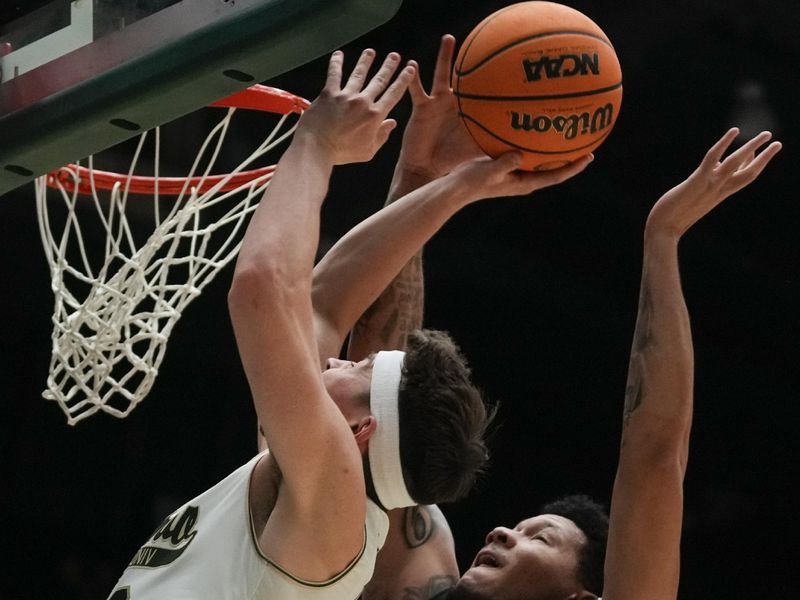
(384, 445)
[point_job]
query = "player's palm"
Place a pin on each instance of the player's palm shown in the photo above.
(713, 181)
(493, 178)
(436, 140)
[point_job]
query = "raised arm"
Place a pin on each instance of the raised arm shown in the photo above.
(643, 559)
(435, 141)
(271, 311)
(371, 255)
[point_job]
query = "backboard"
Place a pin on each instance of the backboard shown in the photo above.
(77, 77)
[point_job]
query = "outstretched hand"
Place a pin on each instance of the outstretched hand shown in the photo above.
(491, 178)
(435, 139)
(713, 181)
(350, 122)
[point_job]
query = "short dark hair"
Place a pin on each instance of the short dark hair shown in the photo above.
(443, 420)
(592, 519)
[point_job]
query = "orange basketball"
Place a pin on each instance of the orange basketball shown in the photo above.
(541, 78)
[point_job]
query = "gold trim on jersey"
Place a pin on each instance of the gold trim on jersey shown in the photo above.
(277, 567)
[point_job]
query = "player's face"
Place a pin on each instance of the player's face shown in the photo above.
(536, 559)
(348, 384)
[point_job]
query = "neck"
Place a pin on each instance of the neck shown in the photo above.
(370, 486)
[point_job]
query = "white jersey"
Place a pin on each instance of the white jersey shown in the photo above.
(207, 550)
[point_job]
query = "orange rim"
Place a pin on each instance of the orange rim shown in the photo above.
(71, 176)
(257, 97)
(266, 99)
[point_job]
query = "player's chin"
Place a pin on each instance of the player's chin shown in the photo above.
(478, 582)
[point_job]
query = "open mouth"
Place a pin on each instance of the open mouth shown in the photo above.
(486, 559)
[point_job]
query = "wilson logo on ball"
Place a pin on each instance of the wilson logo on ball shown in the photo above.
(564, 65)
(569, 125)
(539, 78)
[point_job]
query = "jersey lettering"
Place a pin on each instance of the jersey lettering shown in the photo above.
(169, 541)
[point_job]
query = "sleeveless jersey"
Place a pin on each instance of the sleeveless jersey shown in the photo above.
(207, 550)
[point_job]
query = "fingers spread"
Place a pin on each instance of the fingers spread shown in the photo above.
(752, 170)
(745, 154)
(359, 74)
(384, 75)
(392, 95)
(714, 154)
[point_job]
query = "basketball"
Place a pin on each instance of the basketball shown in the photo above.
(541, 78)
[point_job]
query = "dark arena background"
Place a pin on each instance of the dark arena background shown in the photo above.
(541, 293)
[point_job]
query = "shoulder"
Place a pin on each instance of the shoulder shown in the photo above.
(418, 560)
(419, 524)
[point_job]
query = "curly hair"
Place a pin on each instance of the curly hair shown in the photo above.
(443, 420)
(592, 519)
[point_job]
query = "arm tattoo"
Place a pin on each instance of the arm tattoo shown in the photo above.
(418, 526)
(435, 585)
(398, 310)
(642, 340)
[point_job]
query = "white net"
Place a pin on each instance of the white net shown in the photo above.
(120, 285)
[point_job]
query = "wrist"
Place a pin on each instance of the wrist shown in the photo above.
(310, 148)
(456, 191)
(407, 179)
(420, 170)
(656, 234)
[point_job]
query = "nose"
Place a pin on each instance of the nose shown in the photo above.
(332, 363)
(503, 536)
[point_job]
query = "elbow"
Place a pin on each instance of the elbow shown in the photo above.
(242, 288)
(330, 310)
(653, 445)
(257, 286)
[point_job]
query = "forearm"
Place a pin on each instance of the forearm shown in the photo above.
(399, 309)
(284, 230)
(431, 148)
(406, 179)
(661, 370)
(647, 501)
(273, 268)
(362, 264)
(643, 558)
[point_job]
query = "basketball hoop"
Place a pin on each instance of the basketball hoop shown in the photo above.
(113, 315)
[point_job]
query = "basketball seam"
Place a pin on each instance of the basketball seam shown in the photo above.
(543, 97)
(521, 41)
(474, 36)
(531, 150)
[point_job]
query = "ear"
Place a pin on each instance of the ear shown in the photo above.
(364, 429)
